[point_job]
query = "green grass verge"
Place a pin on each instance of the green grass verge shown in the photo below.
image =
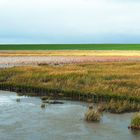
(71, 47)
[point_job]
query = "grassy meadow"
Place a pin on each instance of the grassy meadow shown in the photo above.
(71, 47)
(108, 80)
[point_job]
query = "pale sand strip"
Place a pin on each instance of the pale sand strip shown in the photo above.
(8, 61)
(70, 53)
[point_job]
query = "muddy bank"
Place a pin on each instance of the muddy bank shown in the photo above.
(108, 103)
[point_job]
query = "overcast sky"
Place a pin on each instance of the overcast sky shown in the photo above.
(69, 21)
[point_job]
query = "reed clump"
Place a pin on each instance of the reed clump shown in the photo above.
(92, 115)
(121, 107)
(101, 107)
(135, 122)
(43, 98)
(43, 105)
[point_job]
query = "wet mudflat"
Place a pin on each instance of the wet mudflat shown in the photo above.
(25, 120)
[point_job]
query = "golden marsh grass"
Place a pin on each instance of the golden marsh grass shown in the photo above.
(119, 80)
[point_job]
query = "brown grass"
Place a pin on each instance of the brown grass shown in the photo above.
(118, 80)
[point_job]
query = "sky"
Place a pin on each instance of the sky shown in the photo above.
(69, 21)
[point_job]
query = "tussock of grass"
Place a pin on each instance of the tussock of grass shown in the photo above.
(135, 122)
(43, 98)
(92, 115)
(43, 105)
(121, 107)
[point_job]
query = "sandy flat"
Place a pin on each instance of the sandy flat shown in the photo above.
(70, 53)
(19, 58)
(10, 61)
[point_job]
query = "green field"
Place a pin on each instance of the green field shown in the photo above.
(71, 47)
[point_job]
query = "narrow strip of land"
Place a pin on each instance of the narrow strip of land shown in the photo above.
(70, 47)
(61, 60)
(21, 58)
(69, 53)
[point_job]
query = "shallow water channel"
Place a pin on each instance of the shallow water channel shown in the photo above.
(26, 120)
